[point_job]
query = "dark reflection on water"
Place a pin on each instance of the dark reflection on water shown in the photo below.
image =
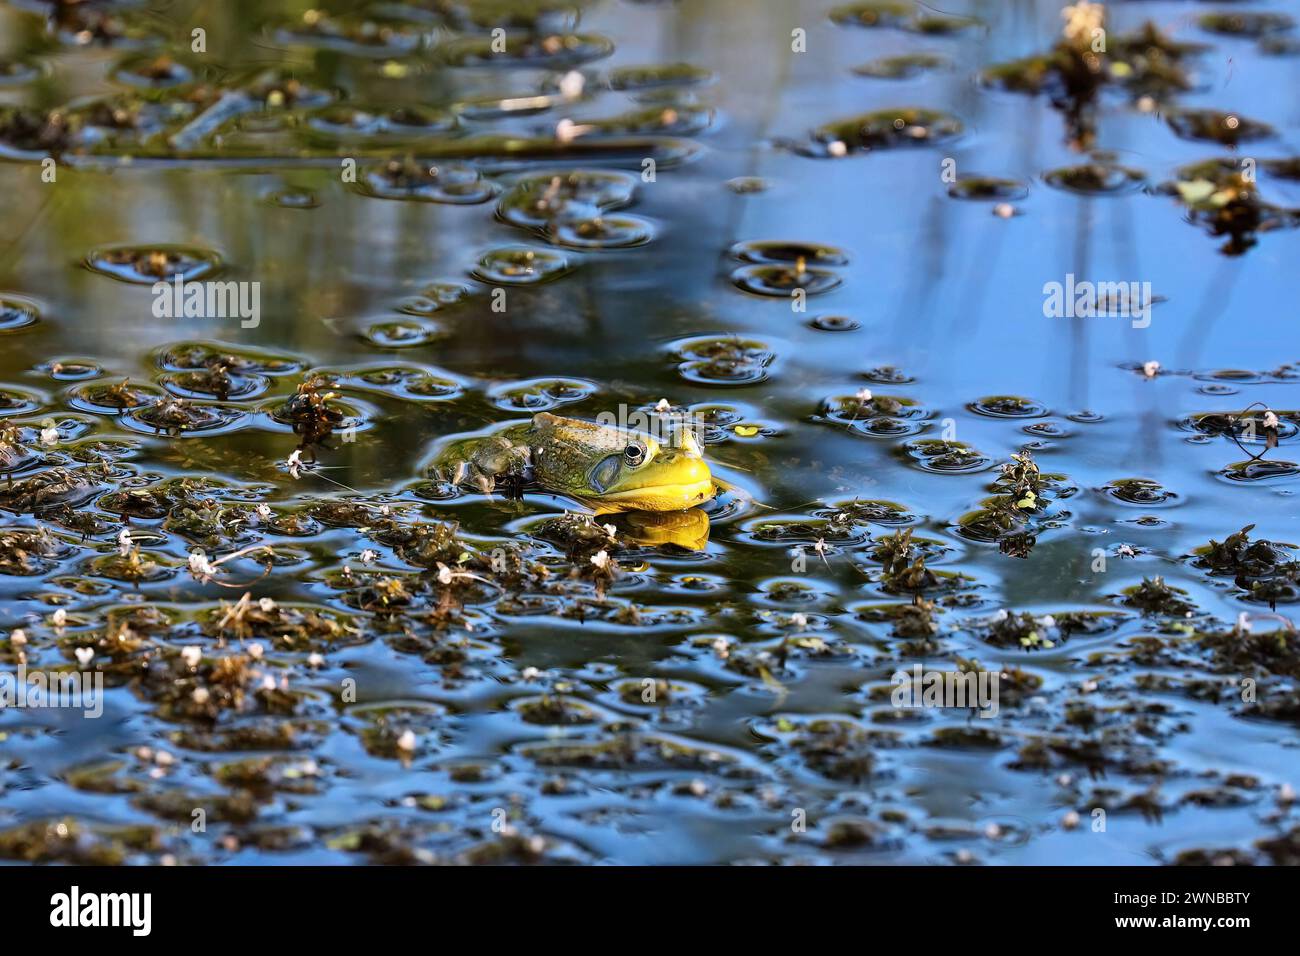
(729, 677)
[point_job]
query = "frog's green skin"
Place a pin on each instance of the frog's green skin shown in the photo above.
(606, 468)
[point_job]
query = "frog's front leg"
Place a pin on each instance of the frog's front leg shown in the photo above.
(497, 462)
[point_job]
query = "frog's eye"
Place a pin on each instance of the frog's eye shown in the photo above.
(634, 453)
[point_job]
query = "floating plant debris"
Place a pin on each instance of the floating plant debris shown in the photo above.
(1227, 129)
(444, 184)
(518, 265)
(903, 67)
(1095, 179)
(16, 313)
(988, 188)
(550, 52)
(884, 129)
(151, 264)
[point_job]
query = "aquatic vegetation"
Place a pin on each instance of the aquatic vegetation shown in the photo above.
(883, 129)
(1223, 198)
(1084, 62)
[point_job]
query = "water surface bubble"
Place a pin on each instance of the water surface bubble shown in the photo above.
(887, 375)
(147, 265)
(541, 394)
(520, 265)
(413, 382)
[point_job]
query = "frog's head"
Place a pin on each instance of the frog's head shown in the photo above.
(618, 469)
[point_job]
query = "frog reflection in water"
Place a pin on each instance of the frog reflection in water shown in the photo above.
(606, 468)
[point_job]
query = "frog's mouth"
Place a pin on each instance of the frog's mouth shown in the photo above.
(671, 483)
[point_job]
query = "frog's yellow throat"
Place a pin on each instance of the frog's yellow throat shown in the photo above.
(673, 482)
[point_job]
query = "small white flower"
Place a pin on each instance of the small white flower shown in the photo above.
(444, 574)
(124, 543)
(200, 695)
(601, 559)
(530, 673)
(1001, 615)
(191, 654)
(566, 130)
(572, 85)
(1088, 686)
(264, 512)
(59, 618)
(294, 464)
(1243, 623)
(1270, 419)
(85, 655)
(268, 682)
(406, 742)
(864, 395)
(255, 651)
(368, 556)
(1070, 820)
(798, 619)
(1047, 621)
(201, 567)
(663, 405)
(266, 604)
(385, 510)
(49, 434)
(18, 638)
(837, 149)
(163, 759)
(1286, 794)
(721, 647)
(1150, 369)
(315, 660)
(610, 530)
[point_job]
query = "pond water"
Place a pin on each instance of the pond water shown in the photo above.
(364, 663)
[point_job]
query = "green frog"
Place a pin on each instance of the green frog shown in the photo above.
(606, 468)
